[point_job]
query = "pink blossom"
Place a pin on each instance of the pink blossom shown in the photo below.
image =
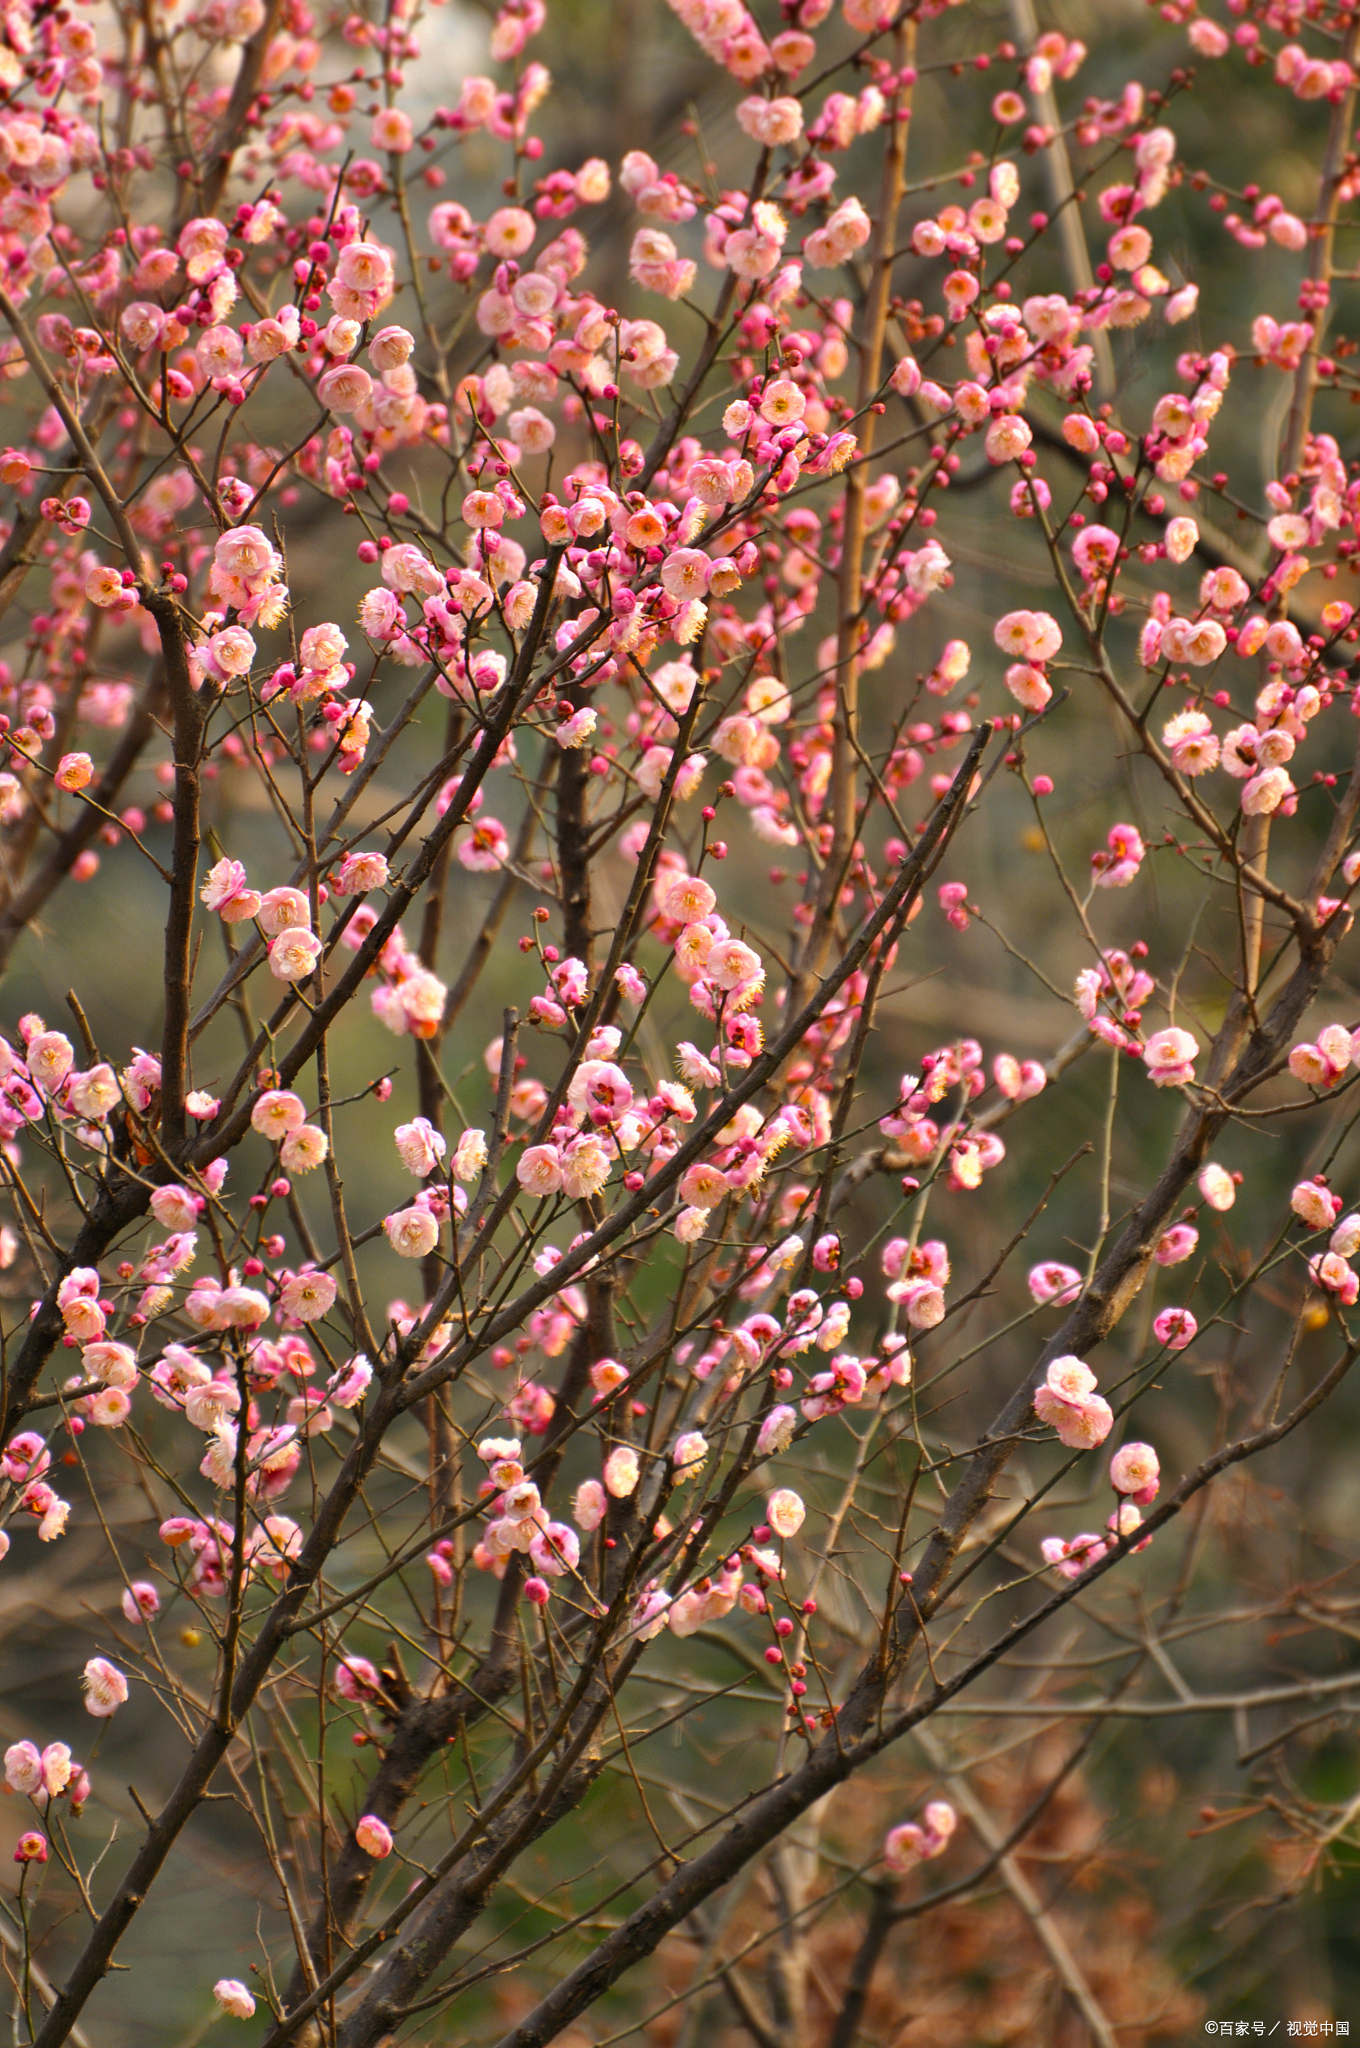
(308, 1295)
(1315, 1204)
(785, 1512)
(1175, 1327)
(1217, 1186)
(776, 1431)
(1334, 1275)
(234, 1999)
(1170, 1058)
(1072, 1556)
(412, 1233)
(1134, 1470)
(914, 1843)
(1054, 1282)
(1176, 1244)
(106, 1689)
(1066, 1401)
(622, 1470)
(419, 1146)
(1265, 792)
(1030, 636)
(294, 954)
(1117, 866)
(589, 1504)
(356, 1679)
(373, 1836)
(141, 1602)
(23, 1768)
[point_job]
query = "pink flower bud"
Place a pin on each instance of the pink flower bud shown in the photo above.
(374, 1837)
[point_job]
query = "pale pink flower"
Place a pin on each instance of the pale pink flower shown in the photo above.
(509, 231)
(914, 1843)
(115, 1364)
(1134, 1469)
(1207, 39)
(771, 122)
(1332, 1273)
(1309, 1064)
(470, 1155)
(108, 1409)
(578, 729)
(776, 1431)
(294, 954)
(1067, 1402)
(1189, 738)
(1096, 551)
(23, 1768)
(242, 1308)
(93, 1093)
(1007, 437)
(345, 388)
(785, 1512)
(230, 652)
(307, 1296)
(412, 1233)
(277, 1112)
(585, 1166)
(225, 890)
(50, 1059)
(782, 402)
(1169, 1057)
(539, 1171)
(1345, 1239)
(555, 1550)
(420, 1146)
(422, 996)
(284, 909)
(589, 1505)
(302, 1151)
(1029, 686)
(702, 1185)
(1030, 636)
(922, 1300)
(621, 1471)
(1265, 792)
(689, 1455)
(1080, 432)
(106, 1689)
(1081, 1426)
(1315, 1205)
(1070, 1379)
(392, 130)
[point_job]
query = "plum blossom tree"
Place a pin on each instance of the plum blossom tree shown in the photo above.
(730, 1374)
